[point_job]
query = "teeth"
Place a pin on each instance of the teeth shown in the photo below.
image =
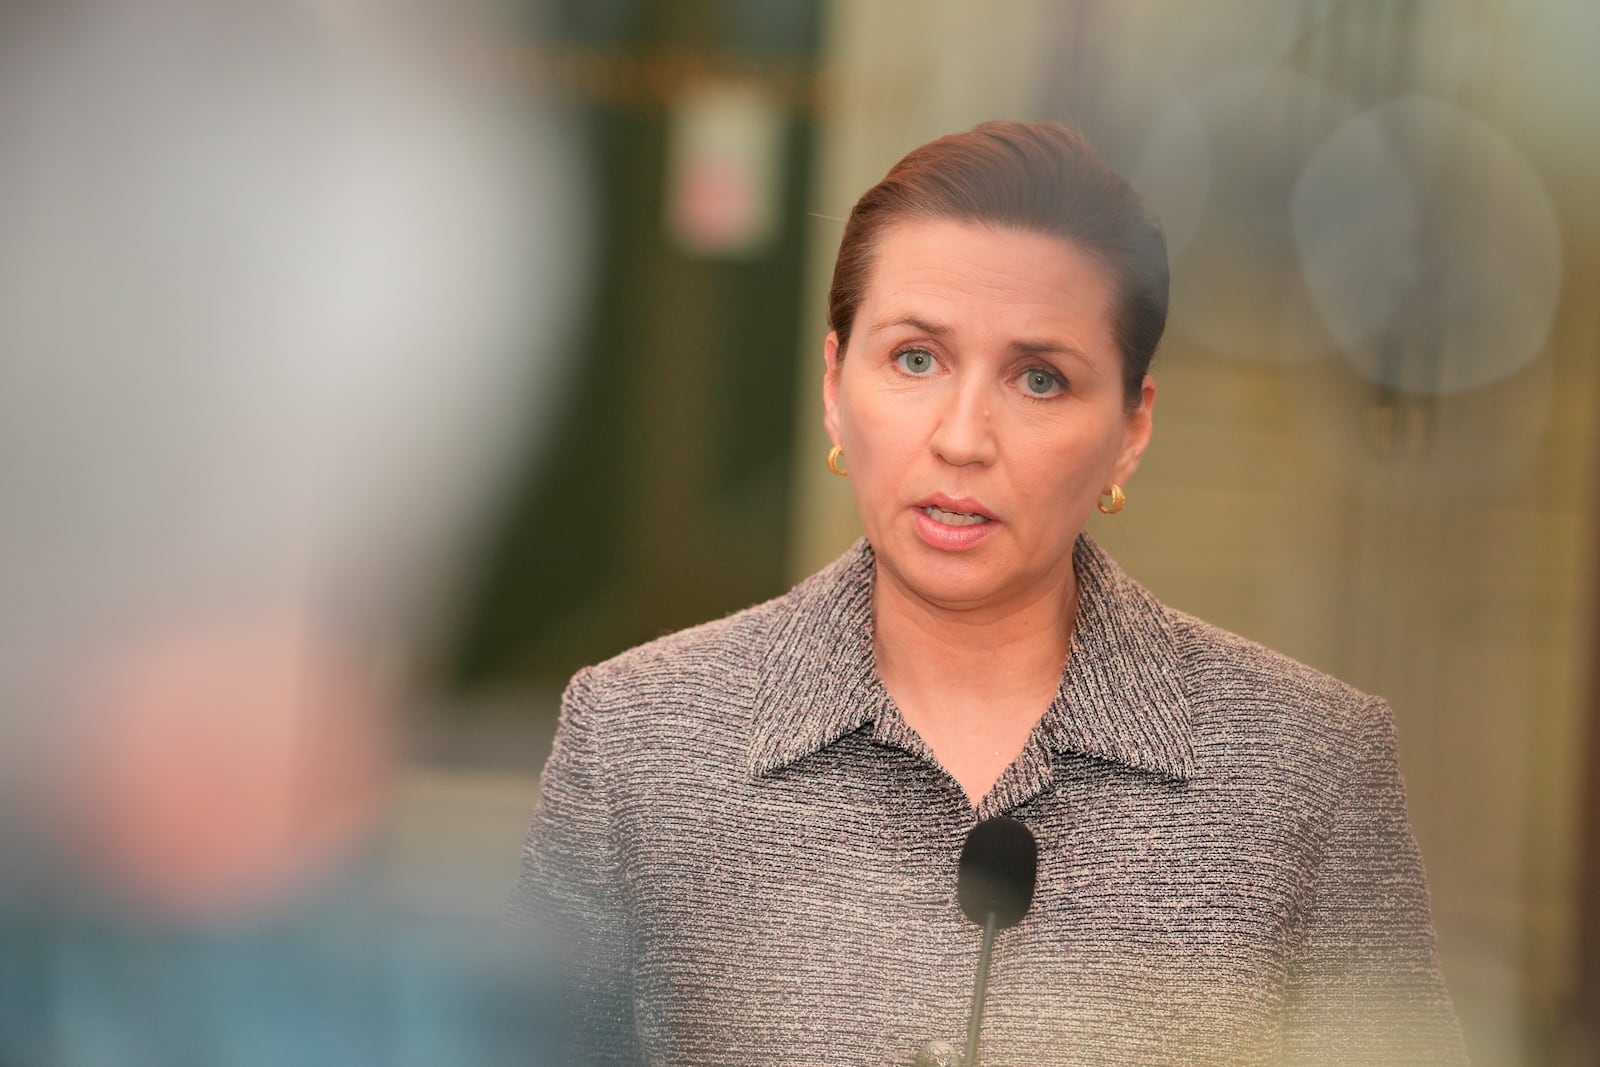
(953, 518)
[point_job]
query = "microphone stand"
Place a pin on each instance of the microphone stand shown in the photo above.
(994, 886)
(975, 1019)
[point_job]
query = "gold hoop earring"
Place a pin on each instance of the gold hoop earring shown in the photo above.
(834, 454)
(1119, 500)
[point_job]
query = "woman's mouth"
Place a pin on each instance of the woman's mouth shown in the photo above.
(953, 518)
(953, 524)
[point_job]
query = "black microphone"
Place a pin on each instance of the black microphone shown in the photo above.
(999, 866)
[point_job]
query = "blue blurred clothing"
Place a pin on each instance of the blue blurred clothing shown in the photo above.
(341, 980)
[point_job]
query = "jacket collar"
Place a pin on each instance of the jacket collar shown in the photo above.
(1121, 697)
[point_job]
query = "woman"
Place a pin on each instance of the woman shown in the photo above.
(752, 828)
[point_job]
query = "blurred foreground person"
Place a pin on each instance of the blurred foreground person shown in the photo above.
(278, 294)
(753, 831)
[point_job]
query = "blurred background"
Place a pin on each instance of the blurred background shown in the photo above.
(366, 369)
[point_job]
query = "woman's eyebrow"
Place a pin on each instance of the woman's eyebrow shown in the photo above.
(1061, 348)
(922, 325)
(1025, 347)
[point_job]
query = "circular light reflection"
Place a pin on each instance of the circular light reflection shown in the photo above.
(1429, 246)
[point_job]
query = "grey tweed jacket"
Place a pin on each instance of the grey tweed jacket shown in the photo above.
(755, 857)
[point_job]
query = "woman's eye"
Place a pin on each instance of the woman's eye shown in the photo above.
(915, 361)
(1041, 382)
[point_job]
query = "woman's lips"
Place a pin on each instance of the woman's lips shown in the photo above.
(950, 529)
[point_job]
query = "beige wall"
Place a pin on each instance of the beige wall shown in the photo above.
(1437, 550)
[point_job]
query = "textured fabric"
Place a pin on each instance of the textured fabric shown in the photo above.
(757, 857)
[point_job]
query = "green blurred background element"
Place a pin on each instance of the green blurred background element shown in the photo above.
(663, 497)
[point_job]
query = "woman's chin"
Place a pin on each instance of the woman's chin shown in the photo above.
(957, 581)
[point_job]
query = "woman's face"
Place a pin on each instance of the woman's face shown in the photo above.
(981, 411)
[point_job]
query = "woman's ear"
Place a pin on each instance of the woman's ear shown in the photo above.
(830, 386)
(1137, 429)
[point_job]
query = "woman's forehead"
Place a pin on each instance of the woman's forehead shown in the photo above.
(942, 276)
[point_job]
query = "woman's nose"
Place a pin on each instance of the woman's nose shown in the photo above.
(965, 433)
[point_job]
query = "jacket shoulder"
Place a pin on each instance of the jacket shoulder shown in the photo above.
(1223, 654)
(719, 653)
(688, 698)
(1229, 677)
(727, 655)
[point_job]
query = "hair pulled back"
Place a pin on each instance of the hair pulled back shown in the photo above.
(1039, 177)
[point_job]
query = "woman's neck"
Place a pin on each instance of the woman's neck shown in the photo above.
(973, 683)
(1001, 653)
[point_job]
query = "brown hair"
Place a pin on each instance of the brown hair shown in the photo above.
(1041, 177)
